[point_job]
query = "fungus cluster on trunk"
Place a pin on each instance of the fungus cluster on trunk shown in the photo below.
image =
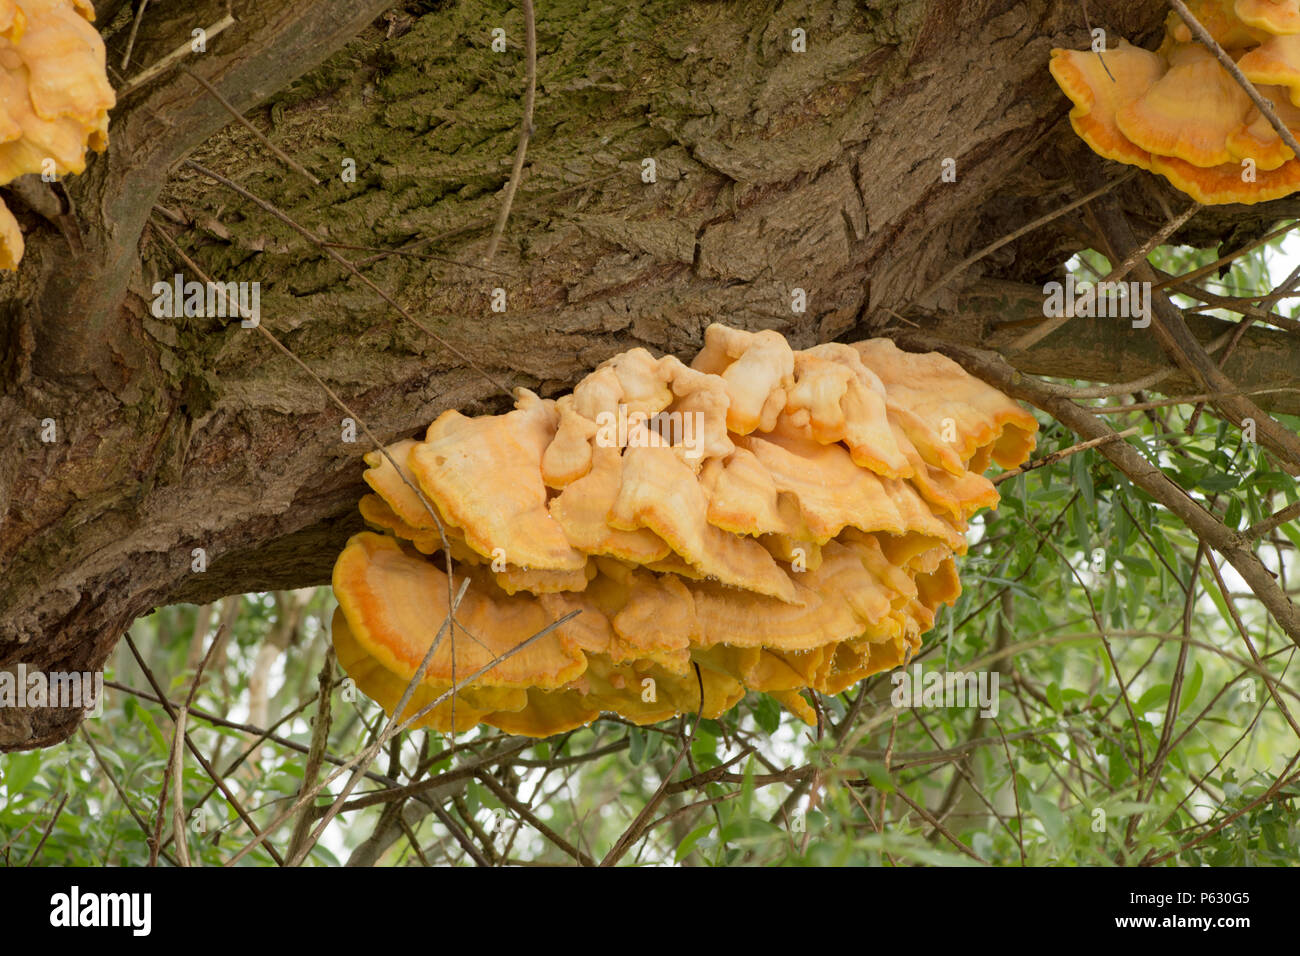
(54, 97)
(1179, 113)
(762, 519)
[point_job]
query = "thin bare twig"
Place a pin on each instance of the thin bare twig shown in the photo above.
(1015, 792)
(135, 28)
(1173, 704)
(49, 827)
(461, 837)
(1056, 456)
(1250, 646)
(427, 256)
(992, 247)
(261, 734)
(257, 133)
(1233, 545)
(361, 422)
(1044, 329)
(173, 763)
(1238, 304)
(509, 799)
(198, 755)
(1261, 104)
(1185, 400)
(320, 734)
(177, 764)
(929, 818)
(172, 58)
(1274, 521)
(1088, 23)
(525, 130)
(633, 832)
(121, 795)
(395, 793)
(1233, 256)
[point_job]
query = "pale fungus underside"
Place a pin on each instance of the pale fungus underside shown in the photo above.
(762, 519)
(1178, 112)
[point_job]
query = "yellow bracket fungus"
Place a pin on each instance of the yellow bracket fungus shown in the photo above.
(1179, 113)
(764, 519)
(54, 97)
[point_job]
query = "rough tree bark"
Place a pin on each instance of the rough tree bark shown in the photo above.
(775, 170)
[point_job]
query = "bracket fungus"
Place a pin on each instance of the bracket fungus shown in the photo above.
(1179, 113)
(54, 97)
(763, 519)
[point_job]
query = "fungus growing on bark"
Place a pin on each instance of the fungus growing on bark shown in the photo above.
(765, 519)
(1276, 61)
(1098, 99)
(1179, 113)
(1257, 139)
(1189, 112)
(1220, 18)
(54, 97)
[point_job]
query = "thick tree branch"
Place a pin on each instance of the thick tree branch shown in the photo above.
(1231, 544)
(992, 314)
(78, 337)
(1186, 350)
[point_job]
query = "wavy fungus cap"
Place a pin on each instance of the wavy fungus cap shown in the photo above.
(1189, 112)
(1221, 19)
(54, 96)
(1098, 98)
(1272, 16)
(1179, 113)
(1257, 139)
(1276, 62)
(766, 519)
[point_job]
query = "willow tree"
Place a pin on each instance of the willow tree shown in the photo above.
(834, 169)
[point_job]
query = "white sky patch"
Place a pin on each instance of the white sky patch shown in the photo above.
(1282, 262)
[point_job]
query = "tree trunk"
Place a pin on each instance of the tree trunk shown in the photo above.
(775, 170)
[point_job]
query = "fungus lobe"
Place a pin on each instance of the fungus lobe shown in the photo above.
(769, 519)
(1179, 113)
(54, 97)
